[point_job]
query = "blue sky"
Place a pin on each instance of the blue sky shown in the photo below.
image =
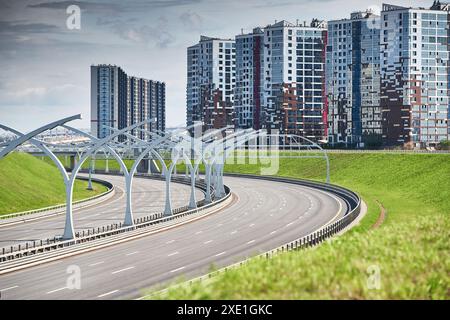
(45, 66)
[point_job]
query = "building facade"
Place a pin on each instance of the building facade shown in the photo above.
(353, 80)
(119, 100)
(294, 79)
(108, 99)
(249, 89)
(145, 100)
(415, 74)
(210, 83)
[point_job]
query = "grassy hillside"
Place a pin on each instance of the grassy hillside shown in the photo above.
(28, 183)
(410, 248)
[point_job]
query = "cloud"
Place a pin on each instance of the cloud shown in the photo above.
(19, 27)
(115, 6)
(191, 21)
(146, 34)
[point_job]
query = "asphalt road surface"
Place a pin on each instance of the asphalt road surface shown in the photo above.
(148, 197)
(263, 216)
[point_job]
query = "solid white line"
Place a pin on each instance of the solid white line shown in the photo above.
(107, 294)
(114, 272)
(251, 241)
(209, 241)
(273, 232)
(95, 264)
(172, 254)
(171, 241)
(219, 254)
(56, 290)
(177, 270)
(6, 289)
(289, 224)
(131, 253)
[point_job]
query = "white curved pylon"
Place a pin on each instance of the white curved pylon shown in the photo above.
(69, 231)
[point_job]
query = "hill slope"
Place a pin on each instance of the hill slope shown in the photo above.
(410, 248)
(28, 183)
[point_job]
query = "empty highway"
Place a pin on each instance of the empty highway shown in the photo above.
(148, 197)
(263, 216)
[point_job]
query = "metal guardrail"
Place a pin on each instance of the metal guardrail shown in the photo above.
(45, 246)
(310, 240)
(60, 206)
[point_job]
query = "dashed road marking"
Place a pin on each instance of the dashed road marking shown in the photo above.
(121, 270)
(179, 269)
(107, 294)
(10, 288)
(56, 290)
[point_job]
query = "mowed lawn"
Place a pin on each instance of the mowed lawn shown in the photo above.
(411, 248)
(28, 183)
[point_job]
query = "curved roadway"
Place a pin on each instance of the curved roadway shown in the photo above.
(264, 215)
(147, 198)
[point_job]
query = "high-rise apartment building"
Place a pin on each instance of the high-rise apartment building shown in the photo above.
(353, 80)
(415, 80)
(145, 100)
(118, 101)
(108, 99)
(249, 89)
(294, 79)
(210, 82)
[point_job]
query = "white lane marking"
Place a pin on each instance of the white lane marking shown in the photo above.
(121, 270)
(219, 254)
(56, 290)
(251, 241)
(235, 231)
(171, 241)
(273, 232)
(10, 288)
(251, 225)
(198, 232)
(96, 264)
(289, 224)
(209, 241)
(131, 253)
(107, 294)
(173, 253)
(175, 270)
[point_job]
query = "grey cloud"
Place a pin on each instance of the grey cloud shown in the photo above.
(146, 34)
(116, 6)
(20, 27)
(191, 20)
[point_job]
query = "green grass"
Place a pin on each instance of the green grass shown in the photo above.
(28, 183)
(100, 164)
(411, 248)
